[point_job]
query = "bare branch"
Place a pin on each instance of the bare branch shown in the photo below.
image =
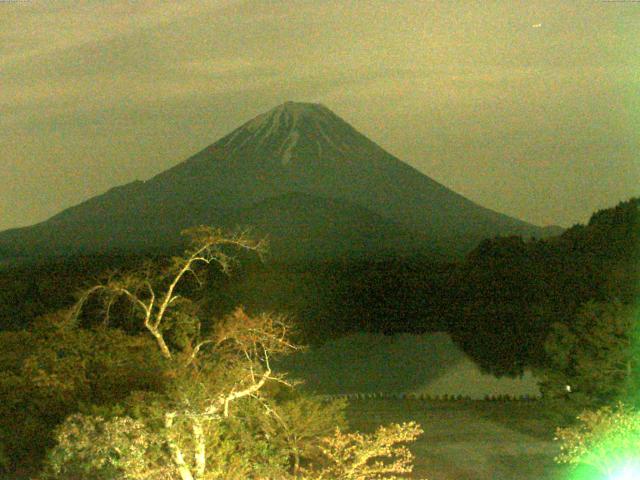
(137, 287)
(75, 311)
(194, 353)
(251, 389)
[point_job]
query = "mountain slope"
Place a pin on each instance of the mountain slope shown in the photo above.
(326, 229)
(294, 148)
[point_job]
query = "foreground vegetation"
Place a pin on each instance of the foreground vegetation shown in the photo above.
(499, 303)
(471, 439)
(136, 382)
(146, 374)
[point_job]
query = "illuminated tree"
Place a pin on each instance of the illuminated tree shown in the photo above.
(217, 414)
(209, 367)
(608, 440)
(356, 456)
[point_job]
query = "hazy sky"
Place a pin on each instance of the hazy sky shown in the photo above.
(530, 108)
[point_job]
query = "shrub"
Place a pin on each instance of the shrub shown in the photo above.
(607, 439)
(357, 456)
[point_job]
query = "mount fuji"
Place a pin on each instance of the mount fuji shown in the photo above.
(300, 175)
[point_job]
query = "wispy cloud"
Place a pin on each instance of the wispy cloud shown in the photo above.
(140, 84)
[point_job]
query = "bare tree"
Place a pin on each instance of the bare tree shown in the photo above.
(153, 293)
(230, 362)
(212, 371)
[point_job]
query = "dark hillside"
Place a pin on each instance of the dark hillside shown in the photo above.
(513, 290)
(498, 304)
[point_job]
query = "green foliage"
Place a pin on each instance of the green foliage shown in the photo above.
(242, 446)
(105, 449)
(300, 422)
(510, 291)
(377, 456)
(52, 369)
(594, 361)
(607, 439)
(126, 448)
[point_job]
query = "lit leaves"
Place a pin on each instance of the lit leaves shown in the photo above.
(605, 439)
(377, 456)
(100, 448)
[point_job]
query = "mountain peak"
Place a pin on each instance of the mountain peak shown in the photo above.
(289, 114)
(295, 147)
(300, 107)
(286, 131)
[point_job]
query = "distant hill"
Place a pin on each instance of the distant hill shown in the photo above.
(298, 172)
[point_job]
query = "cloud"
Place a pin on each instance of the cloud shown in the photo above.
(150, 81)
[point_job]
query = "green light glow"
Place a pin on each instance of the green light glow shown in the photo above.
(628, 472)
(604, 444)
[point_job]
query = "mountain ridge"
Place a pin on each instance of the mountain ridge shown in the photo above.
(294, 147)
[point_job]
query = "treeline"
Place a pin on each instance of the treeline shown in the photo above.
(39, 287)
(498, 304)
(513, 290)
(136, 381)
(331, 299)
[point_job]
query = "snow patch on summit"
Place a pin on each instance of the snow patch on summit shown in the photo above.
(285, 128)
(278, 120)
(289, 145)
